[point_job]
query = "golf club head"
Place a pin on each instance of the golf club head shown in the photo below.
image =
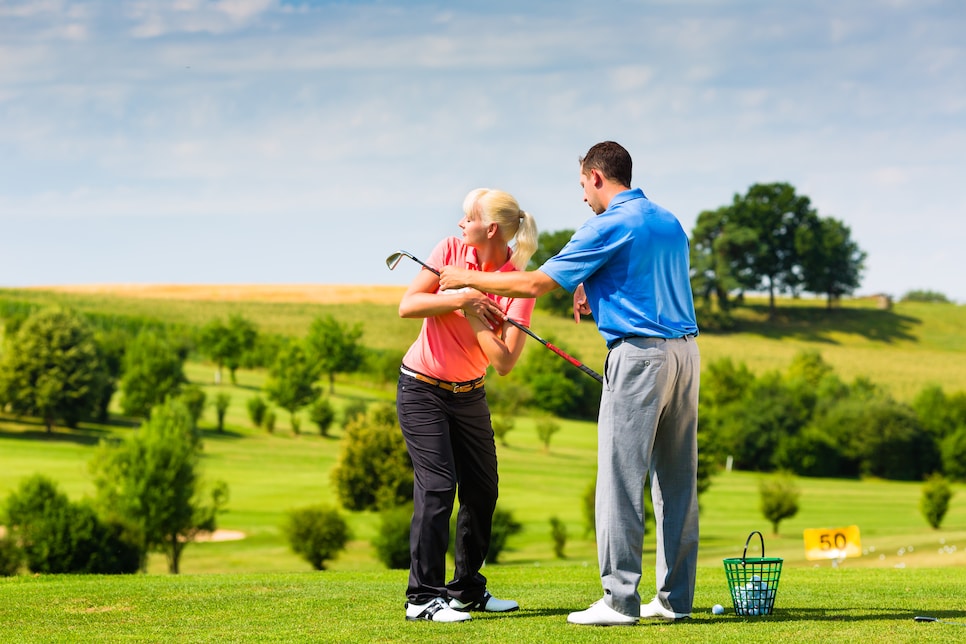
(393, 260)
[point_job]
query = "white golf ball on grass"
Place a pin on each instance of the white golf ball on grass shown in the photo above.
(717, 609)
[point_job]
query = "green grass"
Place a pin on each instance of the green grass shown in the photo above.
(812, 604)
(255, 589)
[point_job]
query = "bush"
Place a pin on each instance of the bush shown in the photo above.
(222, 402)
(316, 533)
(546, 428)
(779, 499)
(374, 471)
(257, 408)
(953, 449)
(353, 410)
(11, 557)
(270, 421)
(504, 527)
(934, 503)
(558, 531)
(322, 414)
(58, 536)
(501, 427)
(392, 541)
(194, 399)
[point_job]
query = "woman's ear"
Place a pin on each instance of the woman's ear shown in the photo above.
(492, 230)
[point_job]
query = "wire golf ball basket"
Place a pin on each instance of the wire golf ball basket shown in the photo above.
(753, 581)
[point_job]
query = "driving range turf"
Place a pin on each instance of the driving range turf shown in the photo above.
(255, 589)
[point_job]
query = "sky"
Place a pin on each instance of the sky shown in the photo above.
(276, 141)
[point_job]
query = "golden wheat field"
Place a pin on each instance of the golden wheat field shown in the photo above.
(312, 293)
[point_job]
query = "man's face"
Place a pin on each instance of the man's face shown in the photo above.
(591, 182)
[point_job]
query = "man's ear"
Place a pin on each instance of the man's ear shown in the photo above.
(596, 177)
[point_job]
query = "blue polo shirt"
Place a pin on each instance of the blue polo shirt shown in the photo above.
(634, 262)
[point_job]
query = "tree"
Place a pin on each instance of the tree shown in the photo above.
(831, 262)
(374, 471)
(715, 242)
(226, 344)
(316, 533)
(549, 243)
(291, 381)
(779, 499)
(153, 371)
(774, 213)
(52, 369)
(152, 483)
(334, 347)
(934, 502)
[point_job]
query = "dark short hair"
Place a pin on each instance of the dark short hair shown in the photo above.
(611, 160)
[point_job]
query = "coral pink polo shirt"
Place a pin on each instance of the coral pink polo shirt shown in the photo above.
(446, 348)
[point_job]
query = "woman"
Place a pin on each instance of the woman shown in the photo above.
(442, 408)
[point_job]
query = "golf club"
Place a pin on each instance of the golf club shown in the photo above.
(393, 260)
(923, 618)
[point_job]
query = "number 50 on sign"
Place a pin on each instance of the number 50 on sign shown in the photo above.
(833, 543)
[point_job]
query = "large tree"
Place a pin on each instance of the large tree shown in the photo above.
(153, 371)
(291, 381)
(831, 262)
(152, 483)
(52, 369)
(225, 344)
(334, 347)
(774, 213)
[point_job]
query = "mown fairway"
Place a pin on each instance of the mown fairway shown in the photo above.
(255, 589)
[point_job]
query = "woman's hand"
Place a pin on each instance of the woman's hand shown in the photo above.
(478, 305)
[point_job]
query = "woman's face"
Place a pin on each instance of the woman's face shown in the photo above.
(474, 230)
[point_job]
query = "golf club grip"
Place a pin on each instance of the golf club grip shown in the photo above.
(560, 352)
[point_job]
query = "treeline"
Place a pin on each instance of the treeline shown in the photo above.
(810, 422)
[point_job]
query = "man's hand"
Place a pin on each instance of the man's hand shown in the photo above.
(451, 277)
(580, 303)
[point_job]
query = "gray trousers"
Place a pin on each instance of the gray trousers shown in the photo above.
(648, 425)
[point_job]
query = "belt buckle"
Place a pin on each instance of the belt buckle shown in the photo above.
(458, 389)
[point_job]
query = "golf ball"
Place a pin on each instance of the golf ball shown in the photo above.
(717, 609)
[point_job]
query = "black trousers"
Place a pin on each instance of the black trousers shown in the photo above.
(450, 441)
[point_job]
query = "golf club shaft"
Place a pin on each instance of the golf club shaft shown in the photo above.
(393, 259)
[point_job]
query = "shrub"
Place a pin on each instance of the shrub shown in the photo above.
(270, 421)
(934, 502)
(58, 536)
(392, 540)
(504, 527)
(779, 499)
(316, 533)
(501, 427)
(194, 399)
(222, 402)
(374, 470)
(558, 531)
(322, 414)
(953, 449)
(546, 428)
(353, 410)
(11, 556)
(257, 408)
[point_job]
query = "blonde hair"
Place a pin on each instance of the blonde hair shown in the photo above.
(500, 208)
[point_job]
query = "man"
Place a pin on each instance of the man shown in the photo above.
(629, 267)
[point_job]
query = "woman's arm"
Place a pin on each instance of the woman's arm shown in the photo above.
(502, 349)
(422, 301)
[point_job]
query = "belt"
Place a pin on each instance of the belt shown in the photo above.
(455, 387)
(619, 341)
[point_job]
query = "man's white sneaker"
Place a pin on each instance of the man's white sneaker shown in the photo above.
(600, 614)
(434, 610)
(657, 610)
(487, 603)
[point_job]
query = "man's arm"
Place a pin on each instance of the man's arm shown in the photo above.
(509, 284)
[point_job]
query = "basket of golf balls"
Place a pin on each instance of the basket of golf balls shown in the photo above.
(753, 581)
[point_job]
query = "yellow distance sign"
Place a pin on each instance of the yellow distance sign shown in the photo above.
(833, 543)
